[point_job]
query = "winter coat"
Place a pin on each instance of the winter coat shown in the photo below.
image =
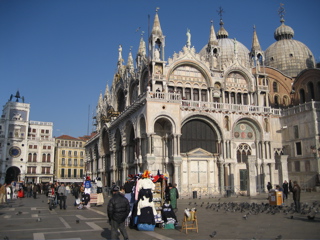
(296, 193)
(118, 208)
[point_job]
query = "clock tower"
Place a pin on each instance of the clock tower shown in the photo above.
(13, 139)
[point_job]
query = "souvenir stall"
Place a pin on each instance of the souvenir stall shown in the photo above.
(150, 209)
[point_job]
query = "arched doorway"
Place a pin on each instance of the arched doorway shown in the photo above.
(12, 174)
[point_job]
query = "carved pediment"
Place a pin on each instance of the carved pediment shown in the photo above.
(199, 152)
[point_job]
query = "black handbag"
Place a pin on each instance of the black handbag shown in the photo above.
(99, 189)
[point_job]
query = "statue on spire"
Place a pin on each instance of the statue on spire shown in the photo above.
(188, 38)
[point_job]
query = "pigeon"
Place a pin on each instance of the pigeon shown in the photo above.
(18, 213)
(213, 234)
(245, 217)
(38, 219)
(77, 221)
(291, 217)
(6, 238)
(39, 211)
(279, 237)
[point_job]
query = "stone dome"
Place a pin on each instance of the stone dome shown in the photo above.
(227, 52)
(288, 55)
(228, 48)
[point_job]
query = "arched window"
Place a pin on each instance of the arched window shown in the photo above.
(44, 157)
(195, 94)
(311, 91)
(30, 157)
(276, 101)
(198, 134)
(34, 157)
(243, 151)
(48, 157)
(302, 96)
(275, 86)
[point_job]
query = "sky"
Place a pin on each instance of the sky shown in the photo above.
(61, 54)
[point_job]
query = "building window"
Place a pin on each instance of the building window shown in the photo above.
(69, 173)
(69, 162)
(297, 166)
(62, 172)
(47, 131)
(30, 146)
(42, 130)
(296, 132)
(195, 95)
(75, 153)
(44, 157)
(75, 162)
(63, 161)
(31, 170)
(44, 147)
(187, 92)
(45, 170)
(35, 147)
(34, 157)
(275, 87)
(81, 153)
(81, 162)
(49, 147)
(69, 153)
(48, 157)
(298, 148)
(63, 152)
(204, 95)
(30, 157)
(74, 173)
(81, 173)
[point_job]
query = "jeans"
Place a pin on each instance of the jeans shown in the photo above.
(114, 230)
(63, 202)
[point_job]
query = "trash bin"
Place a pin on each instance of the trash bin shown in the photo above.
(228, 193)
(194, 194)
(275, 198)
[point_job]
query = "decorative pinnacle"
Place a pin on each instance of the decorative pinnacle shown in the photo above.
(157, 8)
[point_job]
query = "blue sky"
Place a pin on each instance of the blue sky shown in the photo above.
(60, 54)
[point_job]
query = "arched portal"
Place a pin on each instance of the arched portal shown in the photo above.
(12, 174)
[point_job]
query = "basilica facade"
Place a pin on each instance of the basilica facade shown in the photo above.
(222, 118)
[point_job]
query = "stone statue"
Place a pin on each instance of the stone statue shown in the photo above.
(188, 38)
(120, 53)
(157, 54)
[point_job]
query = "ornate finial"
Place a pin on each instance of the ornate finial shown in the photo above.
(157, 8)
(254, 27)
(220, 12)
(211, 22)
(142, 32)
(281, 11)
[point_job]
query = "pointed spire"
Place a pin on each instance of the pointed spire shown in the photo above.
(255, 42)
(212, 37)
(142, 46)
(130, 60)
(156, 29)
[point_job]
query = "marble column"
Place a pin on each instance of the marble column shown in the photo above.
(252, 185)
(283, 173)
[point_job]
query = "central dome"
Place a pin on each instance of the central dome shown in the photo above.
(227, 51)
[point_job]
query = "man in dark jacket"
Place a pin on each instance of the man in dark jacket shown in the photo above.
(118, 210)
(296, 195)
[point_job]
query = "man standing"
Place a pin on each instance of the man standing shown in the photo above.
(3, 193)
(62, 193)
(296, 195)
(118, 211)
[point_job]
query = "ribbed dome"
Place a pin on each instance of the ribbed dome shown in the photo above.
(283, 32)
(288, 55)
(227, 46)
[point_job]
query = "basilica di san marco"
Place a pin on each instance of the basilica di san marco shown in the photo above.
(226, 118)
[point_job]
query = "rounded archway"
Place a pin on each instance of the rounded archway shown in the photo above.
(12, 174)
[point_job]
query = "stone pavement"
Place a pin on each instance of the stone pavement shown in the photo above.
(19, 220)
